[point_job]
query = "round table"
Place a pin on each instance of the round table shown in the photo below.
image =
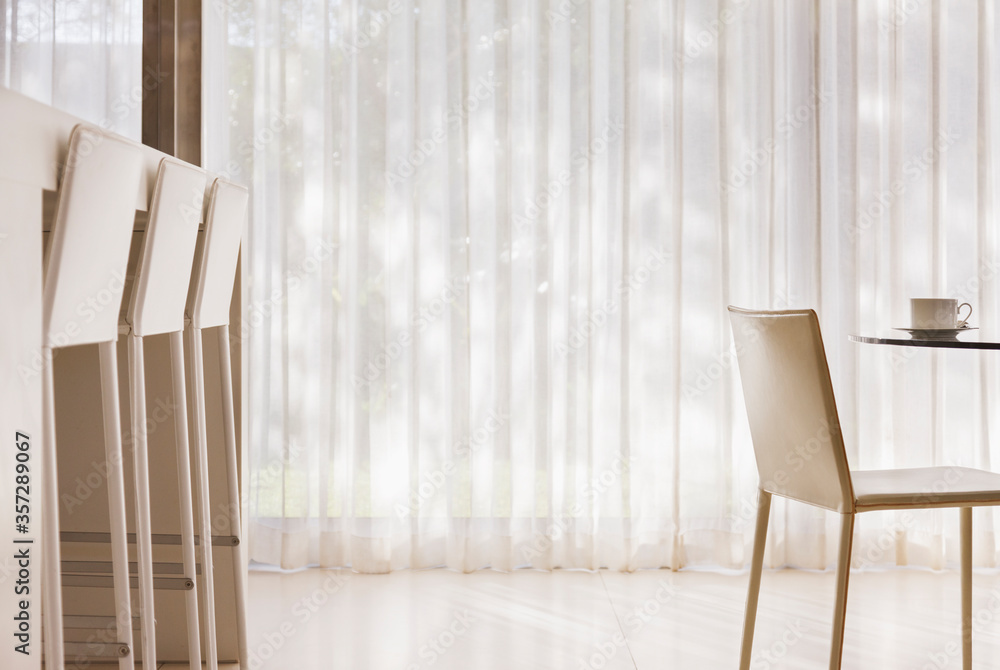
(964, 341)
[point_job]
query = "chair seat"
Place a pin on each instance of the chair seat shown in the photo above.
(943, 486)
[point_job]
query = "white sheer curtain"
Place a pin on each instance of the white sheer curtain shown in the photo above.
(492, 244)
(82, 56)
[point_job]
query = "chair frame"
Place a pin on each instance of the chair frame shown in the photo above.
(98, 187)
(843, 577)
(156, 307)
(208, 308)
(843, 569)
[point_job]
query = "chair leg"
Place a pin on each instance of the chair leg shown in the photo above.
(756, 567)
(843, 576)
(51, 561)
(185, 495)
(116, 499)
(143, 525)
(229, 421)
(966, 539)
(204, 499)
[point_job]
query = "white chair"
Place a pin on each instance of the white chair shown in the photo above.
(156, 306)
(208, 307)
(790, 407)
(85, 266)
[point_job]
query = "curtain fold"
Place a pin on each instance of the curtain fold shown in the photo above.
(492, 243)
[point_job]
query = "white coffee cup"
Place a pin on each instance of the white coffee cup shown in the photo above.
(937, 313)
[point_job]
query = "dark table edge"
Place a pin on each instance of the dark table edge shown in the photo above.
(932, 344)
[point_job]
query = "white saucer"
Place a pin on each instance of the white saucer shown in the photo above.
(935, 333)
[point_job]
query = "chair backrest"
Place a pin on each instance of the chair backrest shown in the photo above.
(790, 405)
(163, 272)
(88, 246)
(215, 263)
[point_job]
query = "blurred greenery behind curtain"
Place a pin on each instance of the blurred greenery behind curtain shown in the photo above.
(81, 56)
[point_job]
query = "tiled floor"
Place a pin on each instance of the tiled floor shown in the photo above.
(577, 620)
(437, 619)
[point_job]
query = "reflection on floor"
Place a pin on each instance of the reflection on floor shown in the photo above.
(322, 619)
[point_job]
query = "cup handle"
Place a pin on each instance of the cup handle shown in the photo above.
(962, 323)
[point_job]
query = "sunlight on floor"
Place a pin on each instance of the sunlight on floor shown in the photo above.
(653, 619)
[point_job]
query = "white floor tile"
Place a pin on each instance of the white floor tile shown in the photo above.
(440, 619)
